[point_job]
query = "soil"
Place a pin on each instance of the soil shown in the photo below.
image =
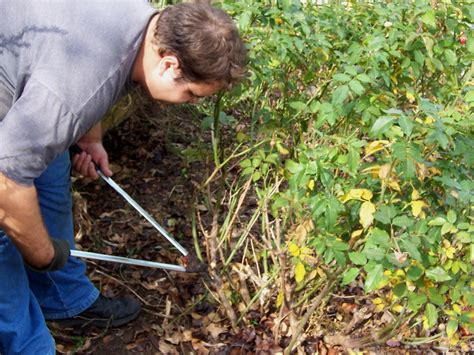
(142, 152)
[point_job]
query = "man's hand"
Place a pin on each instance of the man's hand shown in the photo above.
(92, 152)
(20, 218)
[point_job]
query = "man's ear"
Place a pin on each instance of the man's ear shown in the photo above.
(169, 64)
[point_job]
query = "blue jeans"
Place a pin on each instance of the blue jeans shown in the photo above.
(28, 298)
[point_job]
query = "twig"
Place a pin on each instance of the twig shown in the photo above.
(316, 303)
(211, 239)
(235, 214)
(124, 285)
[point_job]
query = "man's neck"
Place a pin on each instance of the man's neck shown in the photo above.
(144, 53)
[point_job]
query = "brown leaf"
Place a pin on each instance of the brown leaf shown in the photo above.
(107, 339)
(215, 330)
(166, 348)
(348, 307)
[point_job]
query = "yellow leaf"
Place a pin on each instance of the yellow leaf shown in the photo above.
(294, 249)
(450, 252)
(377, 300)
(311, 184)
(422, 171)
(415, 195)
(400, 272)
(456, 308)
(279, 300)
(429, 120)
(398, 308)
(410, 96)
(374, 170)
(281, 149)
(299, 272)
(426, 325)
(366, 214)
(394, 185)
(375, 146)
(416, 207)
(356, 233)
(384, 171)
(454, 340)
(357, 194)
(434, 171)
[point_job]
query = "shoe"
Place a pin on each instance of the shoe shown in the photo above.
(105, 312)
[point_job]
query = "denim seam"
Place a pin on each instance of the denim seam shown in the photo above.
(74, 311)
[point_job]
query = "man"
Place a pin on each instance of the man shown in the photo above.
(62, 65)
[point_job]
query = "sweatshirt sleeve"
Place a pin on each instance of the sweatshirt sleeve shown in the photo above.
(36, 129)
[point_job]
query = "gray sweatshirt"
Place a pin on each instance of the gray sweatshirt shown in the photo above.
(63, 64)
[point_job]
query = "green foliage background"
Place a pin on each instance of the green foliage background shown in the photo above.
(355, 133)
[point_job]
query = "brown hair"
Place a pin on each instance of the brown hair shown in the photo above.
(205, 40)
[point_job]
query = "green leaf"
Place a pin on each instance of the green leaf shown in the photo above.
(438, 221)
(349, 276)
(379, 237)
(435, 297)
(374, 277)
(340, 95)
(403, 221)
(342, 77)
(438, 274)
(356, 87)
(256, 176)
(245, 163)
(469, 96)
(244, 20)
(429, 43)
(450, 56)
(414, 273)
(381, 125)
(415, 301)
(385, 214)
(446, 228)
(400, 290)
(411, 249)
(451, 328)
(293, 167)
(452, 216)
(207, 123)
(406, 124)
(429, 18)
(374, 253)
(431, 313)
(297, 105)
(364, 78)
(358, 258)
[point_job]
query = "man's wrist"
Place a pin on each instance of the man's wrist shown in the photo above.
(60, 255)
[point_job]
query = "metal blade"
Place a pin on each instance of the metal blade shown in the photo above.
(123, 260)
(144, 213)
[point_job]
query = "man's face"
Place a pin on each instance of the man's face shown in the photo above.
(163, 83)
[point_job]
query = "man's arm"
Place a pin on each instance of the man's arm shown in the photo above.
(20, 218)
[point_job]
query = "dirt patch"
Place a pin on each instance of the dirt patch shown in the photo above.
(143, 153)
